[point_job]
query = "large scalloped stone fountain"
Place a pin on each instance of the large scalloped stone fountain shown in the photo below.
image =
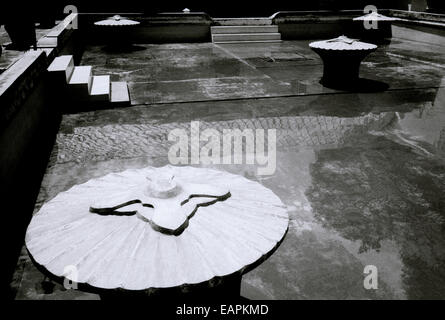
(157, 228)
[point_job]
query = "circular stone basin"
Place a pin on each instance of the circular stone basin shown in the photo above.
(341, 57)
(116, 21)
(119, 234)
(374, 16)
(375, 27)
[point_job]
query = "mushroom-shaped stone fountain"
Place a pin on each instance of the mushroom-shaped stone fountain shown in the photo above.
(341, 58)
(155, 228)
(117, 30)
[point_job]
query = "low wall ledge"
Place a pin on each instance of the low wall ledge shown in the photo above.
(17, 82)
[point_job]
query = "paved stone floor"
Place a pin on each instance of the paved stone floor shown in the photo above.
(362, 174)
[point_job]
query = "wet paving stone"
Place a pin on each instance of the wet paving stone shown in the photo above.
(361, 173)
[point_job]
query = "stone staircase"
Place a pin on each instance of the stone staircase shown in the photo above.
(84, 87)
(244, 30)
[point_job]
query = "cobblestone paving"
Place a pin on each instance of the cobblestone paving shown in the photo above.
(135, 140)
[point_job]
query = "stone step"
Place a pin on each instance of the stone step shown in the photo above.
(218, 38)
(80, 82)
(81, 76)
(100, 88)
(244, 29)
(261, 21)
(62, 66)
(119, 93)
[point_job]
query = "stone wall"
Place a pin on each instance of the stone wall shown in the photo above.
(428, 28)
(162, 28)
(29, 119)
(28, 126)
(416, 26)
